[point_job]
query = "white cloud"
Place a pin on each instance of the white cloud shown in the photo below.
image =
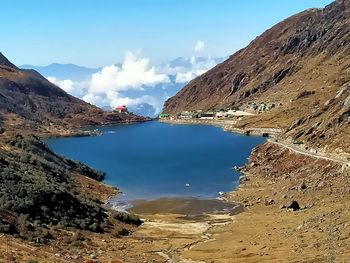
(198, 68)
(66, 85)
(184, 77)
(115, 98)
(75, 88)
(134, 81)
(134, 74)
(98, 100)
(199, 46)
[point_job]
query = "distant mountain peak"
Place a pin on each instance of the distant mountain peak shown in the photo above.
(5, 62)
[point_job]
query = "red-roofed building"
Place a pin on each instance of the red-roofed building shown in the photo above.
(121, 108)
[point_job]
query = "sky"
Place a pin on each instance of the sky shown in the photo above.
(100, 32)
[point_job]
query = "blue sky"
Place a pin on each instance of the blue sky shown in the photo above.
(99, 32)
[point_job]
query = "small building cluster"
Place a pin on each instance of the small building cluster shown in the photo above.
(260, 107)
(197, 114)
(200, 114)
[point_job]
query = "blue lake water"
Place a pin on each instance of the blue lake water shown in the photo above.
(153, 160)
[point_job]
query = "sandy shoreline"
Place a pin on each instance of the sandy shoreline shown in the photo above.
(189, 207)
(266, 231)
(179, 225)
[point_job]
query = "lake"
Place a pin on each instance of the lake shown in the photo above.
(155, 160)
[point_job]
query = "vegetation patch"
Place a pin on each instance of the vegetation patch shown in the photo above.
(36, 193)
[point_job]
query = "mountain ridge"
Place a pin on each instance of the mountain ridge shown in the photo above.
(307, 53)
(29, 101)
(5, 62)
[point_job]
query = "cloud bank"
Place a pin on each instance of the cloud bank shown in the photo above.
(135, 73)
(136, 82)
(198, 67)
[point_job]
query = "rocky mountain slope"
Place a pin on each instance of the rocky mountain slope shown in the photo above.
(45, 197)
(30, 102)
(301, 64)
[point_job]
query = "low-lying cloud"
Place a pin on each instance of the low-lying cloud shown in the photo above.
(135, 73)
(198, 67)
(136, 81)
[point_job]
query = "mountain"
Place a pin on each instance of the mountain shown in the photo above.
(76, 80)
(5, 62)
(42, 193)
(29, 102)
(64, 71)
(301, 64)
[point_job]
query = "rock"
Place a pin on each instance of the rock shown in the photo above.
(294, 206)
(321, 185)
(282, 207)
(302, 187)
(327, 103)
(269, 202)
(253, 164)
(347, 102)
(305, 93)
(243, 179)
(310, 205)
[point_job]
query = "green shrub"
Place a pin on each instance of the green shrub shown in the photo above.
(36, 190)
(127, 218)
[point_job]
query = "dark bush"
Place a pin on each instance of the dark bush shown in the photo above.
(36, 190)
(127, 218)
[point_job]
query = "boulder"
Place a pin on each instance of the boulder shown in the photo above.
(269, 202)
(302, 187)
(294, 206)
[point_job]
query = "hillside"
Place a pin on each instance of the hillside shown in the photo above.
(302, 64)
(44, 197)
(29, 102)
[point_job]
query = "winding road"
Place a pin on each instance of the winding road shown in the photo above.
(299, 150)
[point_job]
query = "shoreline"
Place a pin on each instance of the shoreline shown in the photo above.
(80, 132)
(189, 207)
(259, 234)
(227, 125)
(168, 225)
(241, 237)
(249, 237)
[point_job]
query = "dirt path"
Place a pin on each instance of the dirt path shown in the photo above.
(316, 155)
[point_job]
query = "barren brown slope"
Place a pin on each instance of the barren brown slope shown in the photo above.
(28, 100)
(307, 52)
